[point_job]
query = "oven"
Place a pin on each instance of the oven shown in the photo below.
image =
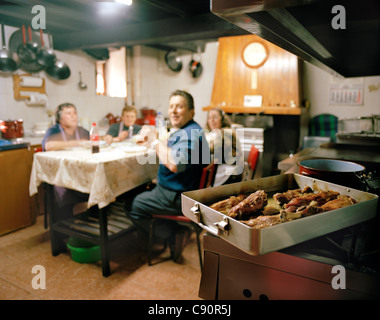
(330, 255)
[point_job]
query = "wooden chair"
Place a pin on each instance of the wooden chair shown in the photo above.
(253, 159)
(207, 180)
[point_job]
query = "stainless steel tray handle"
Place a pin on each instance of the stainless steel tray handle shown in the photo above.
(221, 226)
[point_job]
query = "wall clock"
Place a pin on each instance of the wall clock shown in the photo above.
(255, 54)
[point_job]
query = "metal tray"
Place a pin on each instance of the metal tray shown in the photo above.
(261, 241)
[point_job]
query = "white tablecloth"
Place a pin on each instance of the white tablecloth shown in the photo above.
(104, 175)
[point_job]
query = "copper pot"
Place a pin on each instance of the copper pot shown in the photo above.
(12, 129)
(148, 112)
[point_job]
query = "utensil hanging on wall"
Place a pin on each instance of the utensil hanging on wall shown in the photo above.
(45, 56)
(8, 61)
(195, 68)
(24, 52)
(81, 84)
(195, 65)
(173, 61)
(15, 40)
(59, 70)
(32, 45)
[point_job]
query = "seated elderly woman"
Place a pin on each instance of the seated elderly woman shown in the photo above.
(225, 148)
(65, 134)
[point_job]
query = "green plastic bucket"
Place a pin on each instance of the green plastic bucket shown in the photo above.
(83, 252)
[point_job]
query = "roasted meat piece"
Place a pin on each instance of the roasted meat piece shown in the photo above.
(340, 202)
(253, 203)
(265, 221)
(225, 205)
(285, 197)
(318, 199)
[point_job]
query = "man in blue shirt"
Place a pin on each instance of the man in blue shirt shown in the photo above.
(182, 156)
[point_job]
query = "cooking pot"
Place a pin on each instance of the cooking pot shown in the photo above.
(8, 60)
(12, 129)
(341, 172)
(148, 112)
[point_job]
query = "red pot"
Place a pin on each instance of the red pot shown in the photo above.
(12, 129)
(341, 172)
(148, 112)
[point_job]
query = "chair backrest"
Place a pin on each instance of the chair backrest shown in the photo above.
(253, 158)
(208, 176)
(324, 125)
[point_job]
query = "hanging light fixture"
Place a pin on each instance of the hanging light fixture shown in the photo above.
(126, 2)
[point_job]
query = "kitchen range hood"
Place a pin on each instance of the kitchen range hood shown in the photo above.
(339, 36)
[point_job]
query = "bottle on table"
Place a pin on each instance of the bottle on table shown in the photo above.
(161, 125)
(94, 137)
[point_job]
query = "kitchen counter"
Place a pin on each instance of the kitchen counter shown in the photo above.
(19, 143)
(32, 140)
(6, 145)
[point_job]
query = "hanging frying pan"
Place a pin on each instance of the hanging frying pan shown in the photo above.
(46, 56)
(59, 70)
(14, 41)
(24, 52)
(32, 45)
(8, 60)
(195, 68)
(173, 61)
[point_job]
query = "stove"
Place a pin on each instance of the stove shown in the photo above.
(303, 272)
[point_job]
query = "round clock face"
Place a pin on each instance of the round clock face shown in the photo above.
(255, 54)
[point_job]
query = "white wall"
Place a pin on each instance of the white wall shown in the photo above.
(154, 81)
(316, 89)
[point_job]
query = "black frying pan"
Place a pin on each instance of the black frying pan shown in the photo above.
(59, 70)
(45, 56)
(24, 52)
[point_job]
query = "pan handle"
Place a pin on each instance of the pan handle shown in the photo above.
(221, 226)
(42, 38)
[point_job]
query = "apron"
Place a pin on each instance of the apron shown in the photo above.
(130, 130)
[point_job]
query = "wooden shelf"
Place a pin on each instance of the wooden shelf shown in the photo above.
(254, 110)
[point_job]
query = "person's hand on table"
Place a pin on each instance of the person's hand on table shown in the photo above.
(108, 139)
(122, 135)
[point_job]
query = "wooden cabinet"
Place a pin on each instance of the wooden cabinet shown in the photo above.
(15, 202)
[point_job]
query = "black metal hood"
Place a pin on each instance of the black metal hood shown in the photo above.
(313, 30)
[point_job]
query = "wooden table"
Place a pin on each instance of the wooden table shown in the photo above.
(104, 176)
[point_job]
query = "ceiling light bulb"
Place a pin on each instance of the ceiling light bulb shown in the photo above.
(126, 2)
